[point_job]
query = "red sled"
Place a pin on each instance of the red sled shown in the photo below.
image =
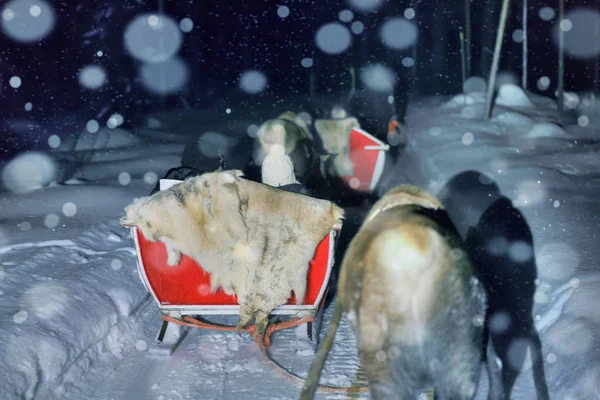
(184, 290)
(367, 154)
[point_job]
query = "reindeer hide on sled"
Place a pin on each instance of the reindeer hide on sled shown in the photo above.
(255, 241)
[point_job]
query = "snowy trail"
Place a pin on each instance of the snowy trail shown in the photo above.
(225, 366)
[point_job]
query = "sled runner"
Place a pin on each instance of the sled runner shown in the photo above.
(183, 291)
(367, 154)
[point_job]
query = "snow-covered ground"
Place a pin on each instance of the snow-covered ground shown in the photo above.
(76, 322)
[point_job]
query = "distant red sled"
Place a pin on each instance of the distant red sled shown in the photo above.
(184, 289)
(367, 154)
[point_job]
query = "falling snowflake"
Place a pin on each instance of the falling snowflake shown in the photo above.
(35, 10)
(54, 141)
(69, 209)
(333, 38)
(29, 171)
(20, 317)
(366, 6)
(92, 77)
(467, 139)
(150, 178)
(577, 26)
(51, 220)
(306, 62)
(357, 27)
(253, 82)
(435, 131)
(252, 130)
(92, 126)
(518, 354)
(566, 25)
(530, 192)
(114, 121)
(520, 252)
(345, 16)
(27, 20)
(517, 35)
(15, 82)
(474, 84)
(398, 33)
(583, 121)
(186, 25)
(283, 11)
(152, 38)
(124, 178)
(547, 13)
(499, 322)
(25, 226)
(543, 83)
(116, 264)
(165, 77)
(378, 78)
(212, 144)
(141, 345)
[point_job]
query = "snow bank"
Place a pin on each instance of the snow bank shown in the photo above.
(546, 129)
(67, 303)
(100, 138)
(462, 100)
(70, 294)
(511, 95)
(514, 120)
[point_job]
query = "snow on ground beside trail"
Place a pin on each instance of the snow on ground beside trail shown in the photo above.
(70, 294)
(76, 322)
(65, 306)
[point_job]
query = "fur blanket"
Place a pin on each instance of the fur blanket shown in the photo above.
(255, 241)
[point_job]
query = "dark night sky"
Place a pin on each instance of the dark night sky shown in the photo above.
(230, 37)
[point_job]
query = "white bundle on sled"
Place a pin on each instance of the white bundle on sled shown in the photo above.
(277, 169)
(255, 241)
